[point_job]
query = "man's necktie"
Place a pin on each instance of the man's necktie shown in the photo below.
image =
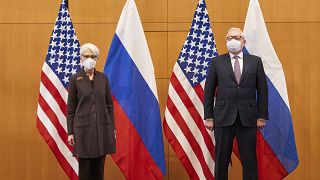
(237, 71)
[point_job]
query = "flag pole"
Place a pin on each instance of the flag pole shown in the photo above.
(67, 4)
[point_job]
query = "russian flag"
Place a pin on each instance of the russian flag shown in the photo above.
(140, 151)
(276, 148)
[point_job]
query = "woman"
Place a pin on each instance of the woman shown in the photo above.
(91, 128)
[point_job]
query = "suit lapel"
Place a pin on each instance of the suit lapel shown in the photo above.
(97, 79)
(244, 68)
(227, 64)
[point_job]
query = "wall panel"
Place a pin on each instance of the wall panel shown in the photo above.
(33, 11)
(109, 11)
(24, 149)
(29, 11)
(235, 10)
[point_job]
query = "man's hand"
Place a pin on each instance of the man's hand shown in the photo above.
(71, 140)
(261, 123)
(209, 124)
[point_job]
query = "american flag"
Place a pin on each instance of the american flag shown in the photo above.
(61, 62)
(183, 122)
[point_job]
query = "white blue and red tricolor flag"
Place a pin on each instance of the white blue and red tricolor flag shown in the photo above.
(140, 151)
(61, 62)
(276, 148)
(183, 123)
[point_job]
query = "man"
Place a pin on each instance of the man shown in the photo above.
(239, 83)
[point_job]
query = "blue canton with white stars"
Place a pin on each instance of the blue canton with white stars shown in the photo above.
(199, 47)
(64, 50)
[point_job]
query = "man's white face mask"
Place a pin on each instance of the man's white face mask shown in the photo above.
(89, 64)
(234, 45)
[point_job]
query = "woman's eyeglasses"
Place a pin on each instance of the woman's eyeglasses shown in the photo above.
(90, 56)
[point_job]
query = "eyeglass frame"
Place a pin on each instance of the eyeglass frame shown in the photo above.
(89, 56)
(238, 38)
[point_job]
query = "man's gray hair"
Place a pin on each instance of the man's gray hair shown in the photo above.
(91, 47)
(236, 29)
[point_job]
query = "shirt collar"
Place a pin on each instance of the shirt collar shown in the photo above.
(240, 55)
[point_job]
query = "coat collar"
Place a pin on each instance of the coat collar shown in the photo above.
(245, 68)
(83, 72)
(86, 79)
(240, 55)
(227, 63)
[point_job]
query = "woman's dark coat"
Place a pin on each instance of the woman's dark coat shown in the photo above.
(90, 116)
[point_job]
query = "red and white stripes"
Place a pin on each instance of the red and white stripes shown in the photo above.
(51, 120)
(184, 127)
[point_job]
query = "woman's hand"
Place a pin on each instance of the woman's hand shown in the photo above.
(71, 140)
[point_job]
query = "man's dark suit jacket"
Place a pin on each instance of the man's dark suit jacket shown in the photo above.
(90, 116)
(249, 97)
